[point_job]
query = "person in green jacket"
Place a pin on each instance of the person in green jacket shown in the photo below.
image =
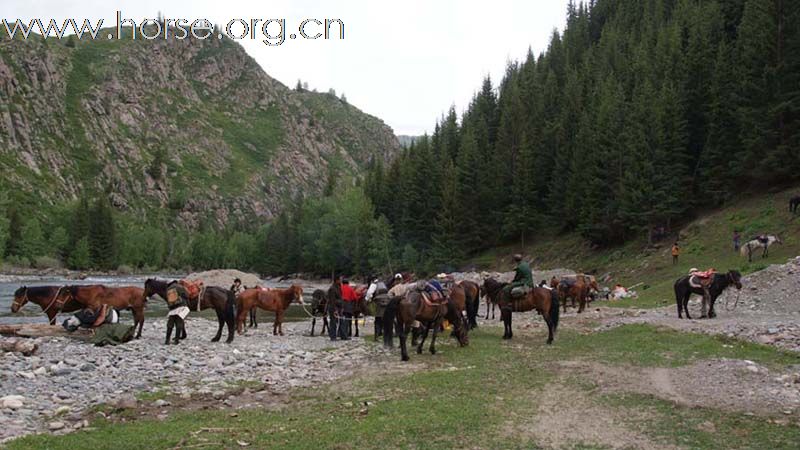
(522, 275)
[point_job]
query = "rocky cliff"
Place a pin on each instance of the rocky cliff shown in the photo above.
(188, 130)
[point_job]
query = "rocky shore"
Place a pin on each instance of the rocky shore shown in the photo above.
(55, 389)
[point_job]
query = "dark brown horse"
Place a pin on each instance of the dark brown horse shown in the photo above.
(222, 300)
(360, 306)
(277, 300)
(543, 300)
(95, 295)
(414, 307)
(319, 303)
(721, 281)
(52, 299)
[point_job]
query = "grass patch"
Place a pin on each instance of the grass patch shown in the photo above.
(704, 427)
(462, 395)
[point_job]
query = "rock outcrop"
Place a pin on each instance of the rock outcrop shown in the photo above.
(193, 127)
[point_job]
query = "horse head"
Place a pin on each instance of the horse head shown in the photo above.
(735, 278)
(298, 294)
(776, 239)
(20, 298)
(554, 282)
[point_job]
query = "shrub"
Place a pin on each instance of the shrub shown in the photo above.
(47, 262)
(125, 269)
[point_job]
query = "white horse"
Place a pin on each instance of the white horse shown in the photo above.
(750, 246)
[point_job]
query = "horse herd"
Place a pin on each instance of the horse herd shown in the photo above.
(411, 308)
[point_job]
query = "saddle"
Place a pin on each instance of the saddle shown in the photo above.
(192, 288)
(703, 279)
(434, 298)
(519, 292)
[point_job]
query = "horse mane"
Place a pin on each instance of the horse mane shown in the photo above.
(493, 286)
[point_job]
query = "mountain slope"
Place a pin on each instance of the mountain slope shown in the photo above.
(194, 128)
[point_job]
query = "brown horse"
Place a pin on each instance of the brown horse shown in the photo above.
(276, 300)
(472, 291)
(543, 300)
(360, 306)
(576, 289)
(96, 295)
(414, 307)
(52, 299)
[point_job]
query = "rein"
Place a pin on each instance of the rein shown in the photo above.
(51, 301)
(735, 303)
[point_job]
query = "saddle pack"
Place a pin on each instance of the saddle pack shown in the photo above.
(519, 292)
(193, 288)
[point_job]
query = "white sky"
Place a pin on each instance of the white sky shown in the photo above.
(405, 62)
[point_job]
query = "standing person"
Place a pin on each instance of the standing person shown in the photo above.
(236, 287)
(177, 301)
(737, 240)
(378, 293)
(334, 306)
(348, 306)
(676, 251)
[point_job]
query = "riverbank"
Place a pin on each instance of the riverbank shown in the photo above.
(58, 389)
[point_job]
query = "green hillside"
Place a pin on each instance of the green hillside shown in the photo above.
(705, 242)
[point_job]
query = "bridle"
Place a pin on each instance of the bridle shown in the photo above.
(19, 304)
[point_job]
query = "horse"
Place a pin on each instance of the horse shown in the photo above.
(319, 303)
(543, 300)
(684, 289)
(794, 202)
(52, 299)
(404, 311)
(472, 290)
(756, 243)
(276, 300)
(130, 297)
(222, 300)
(577, 290)
(253, 319)
(360, 307)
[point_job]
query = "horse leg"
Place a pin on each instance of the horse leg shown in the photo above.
(510, 315)
(313, 323)
(546, 316)
(679, 304)
(180, 330)
(424, 336)
(138, 319)
(220, 321)
(581, 303)
(325, 324)
(414, 336)
(403, 332)
(51, 315)
(241, 316)
(433, 339)
(711, 312)
(170, 325)
(686, 305)
(355, 319)
(504, 313)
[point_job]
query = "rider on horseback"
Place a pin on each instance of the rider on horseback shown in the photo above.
(522, 276)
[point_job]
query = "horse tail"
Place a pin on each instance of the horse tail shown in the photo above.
(230, 307)
(389, 315)
(554, 314)
(743, 249)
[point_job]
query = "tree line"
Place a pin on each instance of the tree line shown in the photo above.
(637, 115)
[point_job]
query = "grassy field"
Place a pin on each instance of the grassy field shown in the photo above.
(491, 394)
(705, 242)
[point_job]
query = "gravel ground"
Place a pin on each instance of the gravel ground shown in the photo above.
(52, 390)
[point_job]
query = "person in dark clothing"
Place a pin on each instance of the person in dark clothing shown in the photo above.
(348, 306)
(334, 306)
(737, 240)
(522, 275)
(177, 301)
(236, 287)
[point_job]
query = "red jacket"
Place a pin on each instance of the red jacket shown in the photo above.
(348, 294)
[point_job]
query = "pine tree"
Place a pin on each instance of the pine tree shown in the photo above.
(102, 235)
(446, 248)
(80, 258)
(13, 244)
(32, 241)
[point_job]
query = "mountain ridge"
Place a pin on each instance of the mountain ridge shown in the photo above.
(189, 131)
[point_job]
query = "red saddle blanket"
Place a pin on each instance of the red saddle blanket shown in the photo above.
(433, 298)
(193, 288)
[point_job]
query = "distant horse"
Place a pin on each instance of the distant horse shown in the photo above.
(130, 298)
(757, 242)
(576, 289)
(276, 300)
(794, 203)
(319, 303)
(412, 308)
(52, 299)
(684, 289)
(543, 300)
(222, 300)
